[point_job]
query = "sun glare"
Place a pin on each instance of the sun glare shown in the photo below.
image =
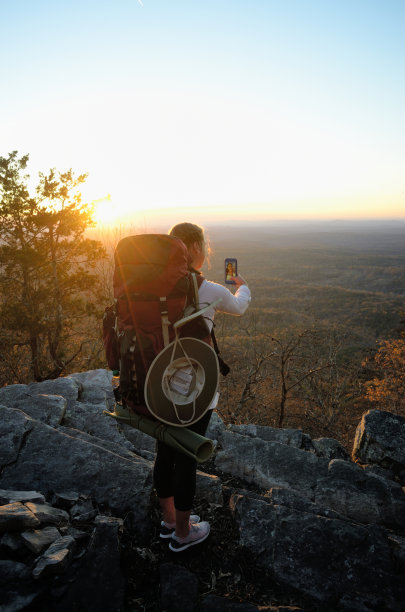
(105, 212)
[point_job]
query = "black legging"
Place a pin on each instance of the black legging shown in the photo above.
(174, 473)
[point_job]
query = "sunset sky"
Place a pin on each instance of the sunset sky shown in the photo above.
(211, 110)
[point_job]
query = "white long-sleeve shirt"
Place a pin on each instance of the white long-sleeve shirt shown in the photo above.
(233, 304)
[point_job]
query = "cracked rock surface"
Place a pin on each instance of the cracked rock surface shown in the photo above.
(296, 524)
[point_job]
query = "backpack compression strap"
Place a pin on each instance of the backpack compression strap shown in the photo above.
(164, 314)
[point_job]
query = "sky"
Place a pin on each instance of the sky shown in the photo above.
(211, 110)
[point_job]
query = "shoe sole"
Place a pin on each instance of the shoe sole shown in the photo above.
(188, 544)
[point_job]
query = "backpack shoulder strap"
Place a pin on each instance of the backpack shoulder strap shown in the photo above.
(195, 290)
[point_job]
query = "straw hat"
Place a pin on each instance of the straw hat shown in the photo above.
(182, 382)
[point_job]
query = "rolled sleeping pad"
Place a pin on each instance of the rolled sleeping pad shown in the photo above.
(180, 438)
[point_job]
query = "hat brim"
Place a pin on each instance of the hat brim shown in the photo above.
(191, 407)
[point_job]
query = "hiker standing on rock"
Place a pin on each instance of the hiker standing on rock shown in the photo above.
(175, 472)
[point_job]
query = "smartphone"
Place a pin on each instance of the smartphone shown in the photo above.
(231, 270)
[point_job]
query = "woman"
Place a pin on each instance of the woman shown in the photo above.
(174, 472)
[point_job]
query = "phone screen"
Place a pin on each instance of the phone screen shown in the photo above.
(231, 270)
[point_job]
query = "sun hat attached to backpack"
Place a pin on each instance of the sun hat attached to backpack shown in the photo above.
(182, 382)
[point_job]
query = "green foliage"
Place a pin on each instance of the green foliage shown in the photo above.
(46, 265)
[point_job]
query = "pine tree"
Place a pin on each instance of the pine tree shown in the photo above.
(46, 266)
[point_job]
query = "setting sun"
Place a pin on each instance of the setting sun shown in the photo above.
(105, 212)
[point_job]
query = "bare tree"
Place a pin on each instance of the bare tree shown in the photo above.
(294, 364)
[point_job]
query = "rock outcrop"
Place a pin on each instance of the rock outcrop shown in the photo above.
(329, 529)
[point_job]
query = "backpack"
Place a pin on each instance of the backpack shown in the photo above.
(154, 288)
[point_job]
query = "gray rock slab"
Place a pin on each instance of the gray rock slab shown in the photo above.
(52, 460)
(213, 603)
(330, 449)
(11, 543)
(47, 514)
(65, 387)
(289, 498)
(94, 386)
(270, 464)
(209, 488)
(100, 583)
(56, 558)
(123, 449)
(141, 442)
(49, 409)
(37, 540)
(13, 393)
(216, 427)
(65, 499)
(13, 571)
(178, 588)
(94, 395)
(361, 496)
(83, 511)
(376, 469)
(398, 548)
(10, 496)
(90, 419)
(380, 439)
(93, 378)
(292, 437)
(16, 517)
(326, 559)
(14, 427)
(14, 601)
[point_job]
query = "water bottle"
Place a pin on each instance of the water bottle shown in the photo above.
(116, 384)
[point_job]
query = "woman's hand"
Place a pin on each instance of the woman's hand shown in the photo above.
(239, 280)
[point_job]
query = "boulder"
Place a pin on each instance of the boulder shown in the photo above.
(330, 449)
(329, 530)
(361, 496)
(46, 408)
(39, 539)
(213, 603)
(141, 443)
(324, 558)
(9, 496)
(13, 393)
(291, 437)
(13, 571)
(65, 387)
(83, 511)
(16, 589)
(216, 427)
(380, 439)
(56, 558)
(65, 499)
(47, 514)
(14, 427)
(99, 584)
(51, 460)
(89, 418)
(209, 488)
(16, 516)
(100, 379)
(178, 588)
(62, 568)
(269, 464)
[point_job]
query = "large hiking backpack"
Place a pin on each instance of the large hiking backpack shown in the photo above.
(154, 289)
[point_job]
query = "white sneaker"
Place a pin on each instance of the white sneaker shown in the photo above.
(198, 533)
(167, 529)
